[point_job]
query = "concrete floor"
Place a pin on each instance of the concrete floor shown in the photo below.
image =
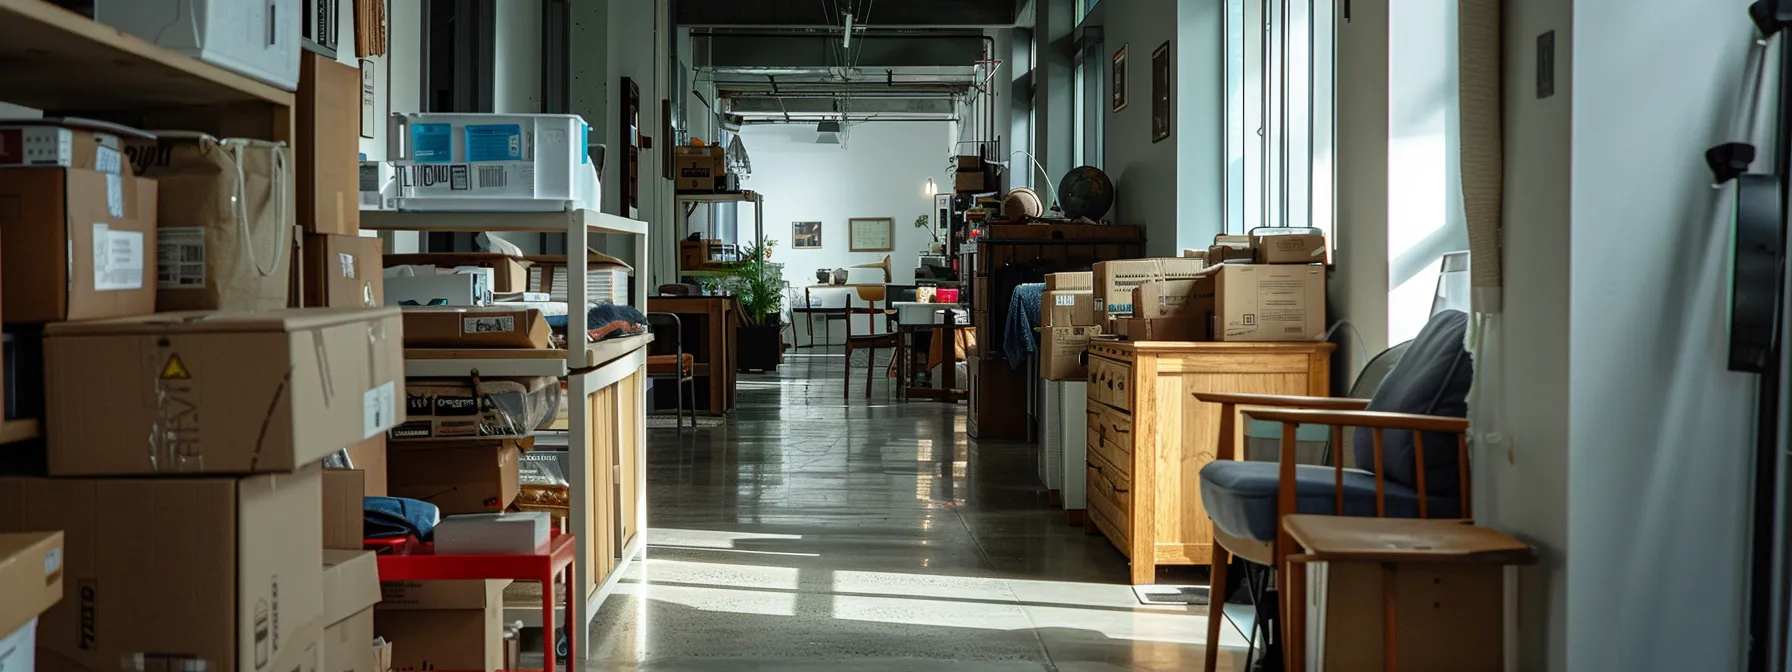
(809, 533)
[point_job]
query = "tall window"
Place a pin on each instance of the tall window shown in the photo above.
(1279, 113)
(1091, 82)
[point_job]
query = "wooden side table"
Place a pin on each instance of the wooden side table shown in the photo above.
(712, 319)
(1436, 594)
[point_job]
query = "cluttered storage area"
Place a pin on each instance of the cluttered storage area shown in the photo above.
(241, 432)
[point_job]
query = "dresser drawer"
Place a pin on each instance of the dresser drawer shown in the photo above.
(1111, 430)
(1110, 382)
(1117, 473)
(1106, 508)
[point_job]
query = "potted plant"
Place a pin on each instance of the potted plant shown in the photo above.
(759, 286)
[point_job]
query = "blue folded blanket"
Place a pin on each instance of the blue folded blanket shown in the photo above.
(390, 517)
(600, 315)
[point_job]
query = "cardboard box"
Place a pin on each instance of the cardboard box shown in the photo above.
(343, 272)
(1061, 350)
(369, 458)
(1069, 309)
(1292, 248)
(1114, 281)
(64, 143)
(329, 143)
(453, 625)
(1220, 254)
(1168, 298)
(224, 570)
(471, 477)
(351, 587)
(1265, 302)
(30, 576)
(461, 409)
(699, 168)
(1186, 328)
(970, 162)
(491, 327)
(219, 393)
(508, 273)
(80, 245)
(971, 180)
(344, 511)
(1082, 281)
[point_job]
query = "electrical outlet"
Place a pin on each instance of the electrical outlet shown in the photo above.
(1546, 65)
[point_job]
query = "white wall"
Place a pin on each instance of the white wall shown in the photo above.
(880, 173)
(1659, 436)
(1198, 97)
(1145, 173)
(516, 76)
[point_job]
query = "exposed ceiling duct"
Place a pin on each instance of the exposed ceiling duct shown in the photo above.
(891, 13)
(798, 76)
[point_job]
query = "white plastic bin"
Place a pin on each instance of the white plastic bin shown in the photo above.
(492, 163)
(257, 38)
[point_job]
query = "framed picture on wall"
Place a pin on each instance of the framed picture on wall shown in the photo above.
(871, 234)
(1120, 79)
(1161, 88)
(805, 235)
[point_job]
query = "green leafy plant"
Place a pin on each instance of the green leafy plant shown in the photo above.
(758, 284)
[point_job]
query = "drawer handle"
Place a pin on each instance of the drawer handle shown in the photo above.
(1118, 489)
(1117, 429)
(1096, 467)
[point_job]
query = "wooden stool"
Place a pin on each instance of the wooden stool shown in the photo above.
(1400, 593)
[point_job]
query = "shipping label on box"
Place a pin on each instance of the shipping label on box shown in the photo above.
(1115, 280)
(1267, 302)
(1069, 309)
(489, 180)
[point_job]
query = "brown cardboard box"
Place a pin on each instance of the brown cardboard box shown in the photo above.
(343, 271)
(1294, 248)
(1114, 281)
(56, 222)
(457, 477)
(66, 143)
(459, 626)
(219, 393)
(351, 588)
(1267, 302)
(693, 255)
(328, 149)
(970, 162)
(1082, 281)
(508, 273)
(30, 575)
(475, 409)
(1220, 254)
(1167, 298)
(369, 457)
(226, 570)
(1060, 352)
(475, 327)
(1187, 328)
(1069, 309)
(971, 180)
(343, 492)
(699, 168)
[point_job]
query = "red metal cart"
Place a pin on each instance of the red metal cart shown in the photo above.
(409, 560)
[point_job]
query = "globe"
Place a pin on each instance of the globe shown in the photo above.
(1086, 192)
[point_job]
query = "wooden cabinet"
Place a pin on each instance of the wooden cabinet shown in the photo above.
(1148, 436)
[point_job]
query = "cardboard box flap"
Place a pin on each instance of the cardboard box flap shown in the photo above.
(594, 259)
(351, 583)
(199, 322)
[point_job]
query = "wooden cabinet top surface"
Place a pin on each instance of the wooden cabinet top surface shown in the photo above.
(1128, 349)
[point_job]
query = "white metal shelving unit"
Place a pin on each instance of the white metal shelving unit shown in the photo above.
(588, 367)
(753, 197)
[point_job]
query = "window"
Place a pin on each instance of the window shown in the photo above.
(1279, 113)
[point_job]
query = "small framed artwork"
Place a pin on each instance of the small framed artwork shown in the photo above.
(1161, 92)
(1120, 79)
(805, 235)
(369, 98)
(871, 234)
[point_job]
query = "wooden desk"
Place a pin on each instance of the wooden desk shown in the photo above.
(1148, 436)
(710, 336)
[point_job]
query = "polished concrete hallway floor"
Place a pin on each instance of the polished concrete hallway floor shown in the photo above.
(810, 533)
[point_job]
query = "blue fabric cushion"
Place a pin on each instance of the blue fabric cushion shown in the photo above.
(1240, 497)
(1431, 379)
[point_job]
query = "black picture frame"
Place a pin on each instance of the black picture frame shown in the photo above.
(1163, 89)
(1120, 79)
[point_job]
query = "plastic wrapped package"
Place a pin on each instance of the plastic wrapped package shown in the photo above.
(465, 408)
(544, 486)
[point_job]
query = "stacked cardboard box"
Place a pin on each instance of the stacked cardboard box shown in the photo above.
(1259, 287)
(1069, 320)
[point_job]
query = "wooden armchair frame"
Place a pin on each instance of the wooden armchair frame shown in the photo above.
(1291, 412)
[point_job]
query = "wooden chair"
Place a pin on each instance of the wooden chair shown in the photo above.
(1246, 524)
(872, 295)
(667, 360)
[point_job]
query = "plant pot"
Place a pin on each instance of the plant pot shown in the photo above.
(760, 347)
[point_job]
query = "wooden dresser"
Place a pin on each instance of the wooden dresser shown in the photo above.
(1148, 437)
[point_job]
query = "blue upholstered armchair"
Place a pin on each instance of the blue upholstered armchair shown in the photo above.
(1410, 442)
